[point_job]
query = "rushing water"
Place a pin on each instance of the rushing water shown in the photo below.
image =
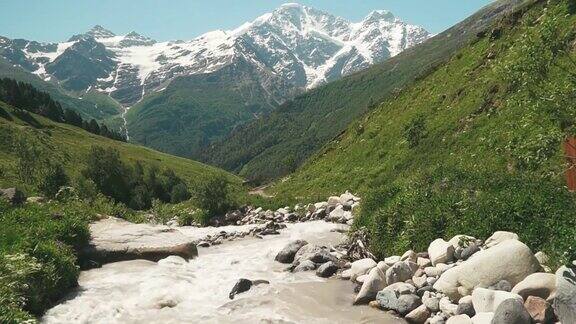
(176, 291)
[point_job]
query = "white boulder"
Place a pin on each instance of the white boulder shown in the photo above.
(358, 268)
(440, 251)
(499, 237)
(487, 301)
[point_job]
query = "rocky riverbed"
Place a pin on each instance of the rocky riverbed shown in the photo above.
(297, 265)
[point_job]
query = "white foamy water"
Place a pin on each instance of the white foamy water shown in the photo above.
(176, 291)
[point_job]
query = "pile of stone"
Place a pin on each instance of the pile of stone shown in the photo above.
(270, 228)
(465, 280)
(338, 209)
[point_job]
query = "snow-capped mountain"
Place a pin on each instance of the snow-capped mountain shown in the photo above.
(296, 46)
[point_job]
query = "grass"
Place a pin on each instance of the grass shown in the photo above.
(70, 145)
(478, 140)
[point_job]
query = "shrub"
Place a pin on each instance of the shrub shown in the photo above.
(52, 179)
(415, 131)
(215, 196)
(448, 203)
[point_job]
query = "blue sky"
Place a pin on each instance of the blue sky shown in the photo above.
(57, 20)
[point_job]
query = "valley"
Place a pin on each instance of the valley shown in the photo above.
(300, 168)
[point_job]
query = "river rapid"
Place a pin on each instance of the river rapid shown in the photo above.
(175, 291)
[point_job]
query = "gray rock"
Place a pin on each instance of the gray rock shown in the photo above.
(305, 265)
(502, 285)
(402, 288)
(433, 304)
(313, 253)
(243, 285)
(387, 300)
(375, 281)
(407, 303)
(400, 272)
(511, 311)
(418, 315)
(469, 251)
(565, 301)
(327, 269)
(13, 196)
(466, 309)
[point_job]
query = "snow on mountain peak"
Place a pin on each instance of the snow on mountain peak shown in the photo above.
(300, 45)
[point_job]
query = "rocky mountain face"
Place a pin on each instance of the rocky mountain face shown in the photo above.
(299, 46)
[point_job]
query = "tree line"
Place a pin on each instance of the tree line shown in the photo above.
(24, 96)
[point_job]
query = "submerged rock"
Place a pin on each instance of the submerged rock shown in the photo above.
(243, 285)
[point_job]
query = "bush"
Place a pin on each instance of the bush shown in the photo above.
(52, 179)
(415, 131)
(215, 196)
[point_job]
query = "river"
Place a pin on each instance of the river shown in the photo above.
(176, 291)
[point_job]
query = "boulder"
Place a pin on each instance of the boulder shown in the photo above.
(243, 285)
(539, 309)
(387, 299)
(565, 301)
(469, 251)
(440, 251)
(511, 311)
(499, 237)
(392, 260)
(287, 254)
(340, 215)
(400, 272)
(419, 282)
(433, 304)
(348, 199)
(359, 268)
(459, 319)
(462, 241)
(510, 260)
(418, 315)
(407, 303)
(409, 256)
(333, 201)
(486, 300)
(538, 284)
(423, 262)
(544, 259)
(374, 282)
(483, 318)
(327, 269)
(306, 265)
(114, 240)
(314, 253)
(13, 196)
(466, 308)
(447, 307)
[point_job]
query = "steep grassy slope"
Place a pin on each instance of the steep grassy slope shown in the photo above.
(473, 147)
(277, 144)
(70, 145)
(92, 105)
(196, 110)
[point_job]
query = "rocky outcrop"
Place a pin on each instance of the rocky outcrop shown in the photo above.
(13, 196)
(114, 240)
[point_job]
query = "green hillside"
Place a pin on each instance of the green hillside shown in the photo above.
(197, 110)
(474, 147)
(277, 144)
(70, 145)
(92, 105)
